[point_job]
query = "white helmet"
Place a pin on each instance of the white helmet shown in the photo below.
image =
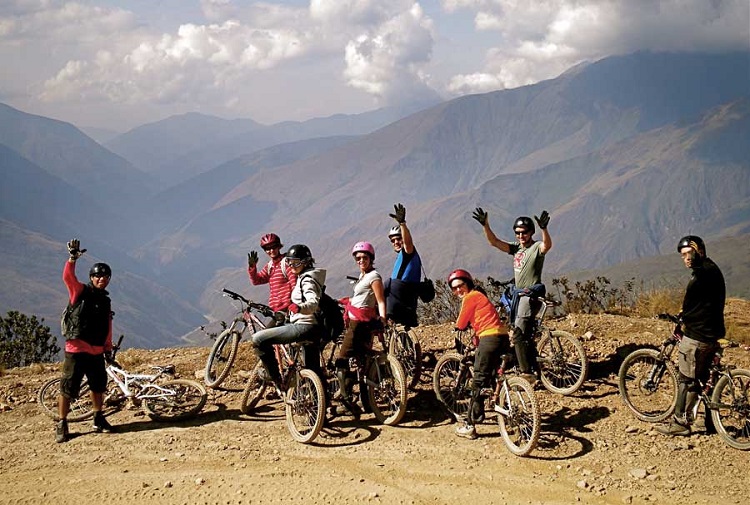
(395, 231)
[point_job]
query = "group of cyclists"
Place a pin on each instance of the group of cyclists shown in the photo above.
(297, 285)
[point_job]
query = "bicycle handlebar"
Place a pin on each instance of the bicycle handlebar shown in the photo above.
(500, 284)
(264, 309)
(669, 317)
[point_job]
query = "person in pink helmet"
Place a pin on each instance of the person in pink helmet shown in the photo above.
(281, 280)
(365, 312)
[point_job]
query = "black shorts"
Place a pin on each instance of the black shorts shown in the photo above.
(79, 364)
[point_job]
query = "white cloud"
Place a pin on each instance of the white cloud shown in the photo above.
(542, 39)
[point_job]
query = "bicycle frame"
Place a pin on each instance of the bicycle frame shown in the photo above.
(124, 380)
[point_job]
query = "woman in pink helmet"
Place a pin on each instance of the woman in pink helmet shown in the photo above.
(365, 312)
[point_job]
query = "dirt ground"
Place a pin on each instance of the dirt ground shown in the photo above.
(591, 450)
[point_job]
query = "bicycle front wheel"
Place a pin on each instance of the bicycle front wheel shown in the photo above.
(386, 389)
(648, 385)
(408, 351)
(452, 384)
(518, 416)
(221, 357)
(562, 362)
(80, 408)
(730, 409)
(305, 406)
(176, 399)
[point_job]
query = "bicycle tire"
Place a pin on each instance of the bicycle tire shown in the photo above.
(452, 386)
(254, 390)
(563, 369)
(386, 389)
(188, 399)
(730, 409)
(221, 357)
(520, 429)
(648, 385)
(305, 406)
(80, 409)
(409, 352)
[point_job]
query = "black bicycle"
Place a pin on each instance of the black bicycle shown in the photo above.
(647, 381)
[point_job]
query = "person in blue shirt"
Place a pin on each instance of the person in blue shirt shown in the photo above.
(402, 289)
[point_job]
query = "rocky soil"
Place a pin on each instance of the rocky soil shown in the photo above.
(592, 450)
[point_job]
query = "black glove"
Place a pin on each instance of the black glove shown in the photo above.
(480, 215)
(252, 259)
(74, 249)
(280, 316)
(399, 213)
(542, 220)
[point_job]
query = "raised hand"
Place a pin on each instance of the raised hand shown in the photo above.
(480, 215)
(542, 220)
(399, 213)
(74, 249)
(252, 259)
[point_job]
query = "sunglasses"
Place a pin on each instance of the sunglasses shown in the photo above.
(522, 232)
(396, 239)
(456, 287)
(295, 263)
(271, 248)
(99, 276)
(361, 258)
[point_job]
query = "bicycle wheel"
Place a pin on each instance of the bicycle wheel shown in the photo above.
(562, 362)
(386, 388)
(221, 357)
(648, 385)
(452, 385)
(255, 389)
(518, 416)
(730, 409)
(305, 406)
(175, 399)
(408, 351)
(80, 408)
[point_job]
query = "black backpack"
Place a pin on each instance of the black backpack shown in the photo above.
(330, 315)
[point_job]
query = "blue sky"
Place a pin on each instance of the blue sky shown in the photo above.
(119, 64)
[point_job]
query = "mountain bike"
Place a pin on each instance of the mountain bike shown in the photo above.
(302, 392)
(648, 380)
(378, 377)
(401, 342)
(162, 397)
(561, 358)
(511, 397)
(224, 350)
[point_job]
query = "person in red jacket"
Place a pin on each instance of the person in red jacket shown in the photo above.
(281, 280)
(88, 337)
(478, 311)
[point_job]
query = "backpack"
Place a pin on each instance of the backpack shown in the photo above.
(282, 264)
(330, 315)
(71, 313)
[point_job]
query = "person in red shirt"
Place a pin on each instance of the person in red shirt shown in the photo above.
(478, 312)
(281, 280)
(88, 337)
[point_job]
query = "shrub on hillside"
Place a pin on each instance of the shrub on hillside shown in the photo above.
(25, 340)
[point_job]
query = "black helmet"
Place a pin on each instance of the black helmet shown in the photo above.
(299, 252)
(100, 270)
(526, 223)
(693, 241)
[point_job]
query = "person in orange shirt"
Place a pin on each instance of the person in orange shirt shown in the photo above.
(479, 312)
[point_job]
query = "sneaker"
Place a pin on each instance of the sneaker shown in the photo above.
(101, 424)
(674, 429)
(347, 408)
(466, 431)
(61, 431)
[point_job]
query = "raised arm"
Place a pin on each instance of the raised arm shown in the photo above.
(482, 218)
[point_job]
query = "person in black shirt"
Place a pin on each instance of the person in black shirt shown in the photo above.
(703, 323)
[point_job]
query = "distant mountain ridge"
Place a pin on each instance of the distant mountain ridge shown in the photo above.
(627, 154)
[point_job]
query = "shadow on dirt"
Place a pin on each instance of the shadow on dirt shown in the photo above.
(562, 431)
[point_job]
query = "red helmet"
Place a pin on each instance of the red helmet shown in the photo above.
(364, 247)
(270, 240)
(462, 274)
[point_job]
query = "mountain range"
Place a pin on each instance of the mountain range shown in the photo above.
(628, 154)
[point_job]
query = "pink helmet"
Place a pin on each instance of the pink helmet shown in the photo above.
(364, 247)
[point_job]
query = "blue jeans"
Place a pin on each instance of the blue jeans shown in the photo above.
(264, 340)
